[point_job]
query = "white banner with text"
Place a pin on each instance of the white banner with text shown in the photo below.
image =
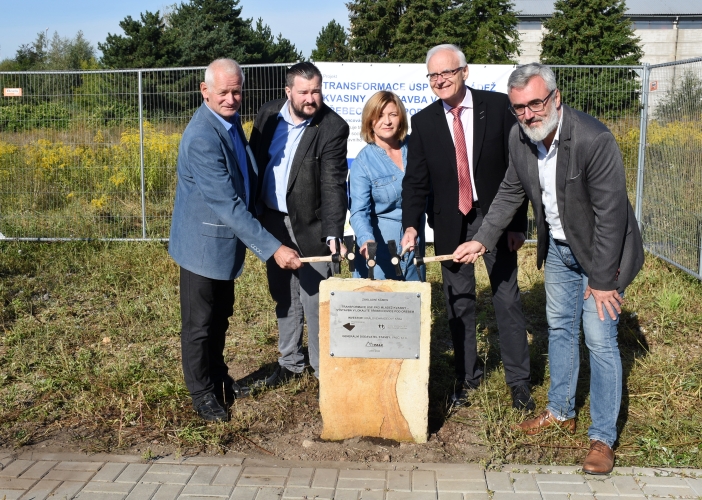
(346, 88)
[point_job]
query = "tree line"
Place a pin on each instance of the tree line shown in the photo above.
(194, 32)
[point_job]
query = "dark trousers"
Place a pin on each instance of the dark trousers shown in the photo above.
(459, 290)
(205, 307)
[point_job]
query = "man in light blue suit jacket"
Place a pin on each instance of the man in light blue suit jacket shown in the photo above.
(211, 228)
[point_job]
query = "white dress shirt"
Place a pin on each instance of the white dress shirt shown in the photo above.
(547, 161)
(467, 121)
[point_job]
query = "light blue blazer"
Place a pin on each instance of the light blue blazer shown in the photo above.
(212, 225)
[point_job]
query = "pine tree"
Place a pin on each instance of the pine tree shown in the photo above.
(486, 30)
(420, 28)
(373, 24)
(32, 56)
(403, 30)
(594, 32)
(263, 47)
(146, 44)
(590, 32)
(209, 29)
(331, 44)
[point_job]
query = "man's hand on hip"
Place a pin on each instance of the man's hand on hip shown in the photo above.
(605, 299)
(515, 240)
(287, 258)
(468, 252)
(410, 238)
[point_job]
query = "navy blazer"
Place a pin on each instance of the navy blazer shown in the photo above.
(212, 226)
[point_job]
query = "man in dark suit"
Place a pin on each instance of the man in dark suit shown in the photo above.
(300, 145)
(570, 167)
(211, 228)
(458, 145)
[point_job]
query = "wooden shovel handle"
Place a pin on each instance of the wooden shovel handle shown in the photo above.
(438, 258)
(325, 258)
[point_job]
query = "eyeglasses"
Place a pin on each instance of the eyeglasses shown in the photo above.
(535, 106)
(444, 74)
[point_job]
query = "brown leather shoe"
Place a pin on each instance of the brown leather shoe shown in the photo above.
(546, 419)
(600, 458)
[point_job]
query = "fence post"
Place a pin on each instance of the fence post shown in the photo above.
(141, 159)
(643, 127)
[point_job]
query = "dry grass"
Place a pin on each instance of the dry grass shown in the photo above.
(89, 351)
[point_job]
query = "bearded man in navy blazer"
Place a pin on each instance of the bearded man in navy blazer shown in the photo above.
(458, 145)
(211, 228)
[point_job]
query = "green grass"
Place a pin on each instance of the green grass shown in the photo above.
(90, 348)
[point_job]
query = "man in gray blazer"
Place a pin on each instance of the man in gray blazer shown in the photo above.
(300, 145)
(569, 166)
(211, 228)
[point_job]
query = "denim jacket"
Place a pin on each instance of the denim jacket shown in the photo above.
(375, 206)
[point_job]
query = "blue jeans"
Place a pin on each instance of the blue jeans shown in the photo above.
(565, 283)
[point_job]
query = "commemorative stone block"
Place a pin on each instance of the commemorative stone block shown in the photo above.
(374, 359)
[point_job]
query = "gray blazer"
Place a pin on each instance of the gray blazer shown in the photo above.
(596, 215)
(212, 226)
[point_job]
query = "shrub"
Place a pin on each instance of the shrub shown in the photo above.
(46, 115)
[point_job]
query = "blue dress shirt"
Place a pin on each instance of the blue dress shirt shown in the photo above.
(284, 144)
(239, 150)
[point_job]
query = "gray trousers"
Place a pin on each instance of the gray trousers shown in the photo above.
(296, 294)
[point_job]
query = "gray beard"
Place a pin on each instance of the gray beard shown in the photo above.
(548, 125)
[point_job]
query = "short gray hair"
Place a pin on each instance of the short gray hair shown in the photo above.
(520, 77)
(452, 48)
(228, 66)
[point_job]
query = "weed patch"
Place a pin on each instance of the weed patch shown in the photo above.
(90, 360)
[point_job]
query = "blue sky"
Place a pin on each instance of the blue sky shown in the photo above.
(20, 20)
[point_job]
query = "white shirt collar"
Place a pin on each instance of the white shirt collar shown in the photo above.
(287, 116)
(466, 103)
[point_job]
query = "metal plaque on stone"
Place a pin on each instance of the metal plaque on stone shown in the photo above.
(374, 325)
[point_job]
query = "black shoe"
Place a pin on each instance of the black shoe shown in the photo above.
(521, 398)
(280, 376)
(210, 410)
(460, 396)
(233, 391)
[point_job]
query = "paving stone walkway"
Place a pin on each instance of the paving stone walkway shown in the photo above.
(64, 476)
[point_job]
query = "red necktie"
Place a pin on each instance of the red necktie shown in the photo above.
(465, 188)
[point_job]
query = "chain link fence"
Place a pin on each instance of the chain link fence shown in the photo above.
(92, 155)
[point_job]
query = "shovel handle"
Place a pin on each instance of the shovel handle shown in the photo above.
(437, 258)
(326, 258)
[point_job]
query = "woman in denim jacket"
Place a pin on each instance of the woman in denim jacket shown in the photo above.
(376, 187)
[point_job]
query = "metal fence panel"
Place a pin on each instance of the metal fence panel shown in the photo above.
(671, 215)
(93, 154)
